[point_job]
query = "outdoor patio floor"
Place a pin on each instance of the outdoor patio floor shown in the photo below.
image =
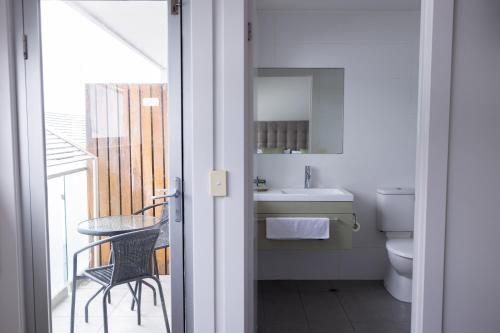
(120, 317)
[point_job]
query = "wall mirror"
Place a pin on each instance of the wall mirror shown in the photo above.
(299, 111)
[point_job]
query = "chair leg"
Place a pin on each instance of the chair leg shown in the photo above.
(73, 300)
(134, 298)
(135, 293)
(157, 271)
(105, 309)
(153, 289)
(139, 293)
(88, 303)
(110, 261)
(162, 299)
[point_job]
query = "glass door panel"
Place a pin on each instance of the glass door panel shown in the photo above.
(107, 113)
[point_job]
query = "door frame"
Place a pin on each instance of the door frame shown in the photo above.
(432, 147)
(434, 95)
(31, 144)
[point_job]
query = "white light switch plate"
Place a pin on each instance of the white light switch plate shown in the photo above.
(218, 183)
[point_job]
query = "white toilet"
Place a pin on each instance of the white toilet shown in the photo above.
(395, 207)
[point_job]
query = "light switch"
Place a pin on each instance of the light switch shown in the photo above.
(218, 183)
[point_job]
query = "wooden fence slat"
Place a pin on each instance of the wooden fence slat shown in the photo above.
(91, 123)
(123, 114)
(164, 107)
(114, 150)
(103, 154)
(147, 151)
(135, 147)
(91, 143)
(158, 158)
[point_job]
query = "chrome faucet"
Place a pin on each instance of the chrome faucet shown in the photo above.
(308, 175)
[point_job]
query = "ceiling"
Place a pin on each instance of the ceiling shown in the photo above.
(369, 5)
(140, 24)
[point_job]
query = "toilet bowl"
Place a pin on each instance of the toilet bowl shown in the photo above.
(398, 280)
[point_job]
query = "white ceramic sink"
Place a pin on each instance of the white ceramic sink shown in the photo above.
(304, 194)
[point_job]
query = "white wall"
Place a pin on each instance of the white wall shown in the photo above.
(379, 51)
(283, 98)
(11, 304)
(472, 268)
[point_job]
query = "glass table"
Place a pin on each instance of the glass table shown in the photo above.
(115, 225)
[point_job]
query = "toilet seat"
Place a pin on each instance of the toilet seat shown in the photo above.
(401, 247)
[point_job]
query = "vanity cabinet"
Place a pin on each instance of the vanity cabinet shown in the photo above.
(340, 215)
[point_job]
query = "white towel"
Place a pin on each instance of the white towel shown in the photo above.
(297, 228)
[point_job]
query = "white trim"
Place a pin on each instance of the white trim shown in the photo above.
(173, 155)
(11, 260)
(198, 92)
(32, 168)
(233, 152)
(436, 34)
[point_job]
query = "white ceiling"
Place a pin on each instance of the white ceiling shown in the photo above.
(339, 4)
(142, 24)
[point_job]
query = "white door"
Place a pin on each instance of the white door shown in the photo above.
(102, 85)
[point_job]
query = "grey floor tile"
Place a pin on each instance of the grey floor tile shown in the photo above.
(357, 285)
(382, 327)
(272, 286)
(338, 326)
(283, 308)
(322, 307)
(311, 307)
(370, 306)
(313, 285)
(260, 309)
(285, 328)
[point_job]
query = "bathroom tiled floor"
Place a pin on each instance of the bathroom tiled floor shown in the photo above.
(330, 307)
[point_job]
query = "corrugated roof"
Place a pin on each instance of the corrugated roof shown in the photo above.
(65, 137)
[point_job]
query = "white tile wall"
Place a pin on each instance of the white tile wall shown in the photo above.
(379, 51)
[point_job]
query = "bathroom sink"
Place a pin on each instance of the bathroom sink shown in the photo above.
(304, 194)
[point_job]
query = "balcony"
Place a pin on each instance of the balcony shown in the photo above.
(121, 318)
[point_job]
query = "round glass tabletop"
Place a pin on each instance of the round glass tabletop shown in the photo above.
(115, 225)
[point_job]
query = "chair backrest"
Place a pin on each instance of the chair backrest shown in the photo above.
(132, 254)
(164, 238)
(164, 213)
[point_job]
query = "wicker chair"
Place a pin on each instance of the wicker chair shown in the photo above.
(131, 263)
(162, 242)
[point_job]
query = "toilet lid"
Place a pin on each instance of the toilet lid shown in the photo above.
(401, 247)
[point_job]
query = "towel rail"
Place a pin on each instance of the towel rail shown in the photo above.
(354, 225)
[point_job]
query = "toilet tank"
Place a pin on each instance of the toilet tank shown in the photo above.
(395, 208)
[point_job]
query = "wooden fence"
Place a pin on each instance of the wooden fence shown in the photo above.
(127, 131)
